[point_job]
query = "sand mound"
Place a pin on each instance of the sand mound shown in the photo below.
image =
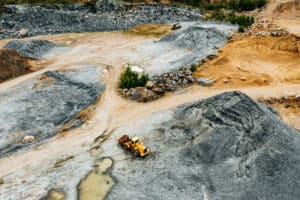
(289, 8)
(12, 65)
(255, 61)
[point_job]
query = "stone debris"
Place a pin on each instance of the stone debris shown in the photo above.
(159, 85)
(205, 82)
(30, 110)
(28, 139)
(34, 49)
(107, 16)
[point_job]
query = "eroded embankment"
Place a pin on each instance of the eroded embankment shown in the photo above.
(255, 61)
(50, 103)
(13, 65)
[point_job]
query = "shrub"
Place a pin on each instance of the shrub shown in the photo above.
(241, 29)
(193, 67)
(131, 79)
(261, 3)
(242, 20)
(144, 79)
(247, 5)
(218, 16)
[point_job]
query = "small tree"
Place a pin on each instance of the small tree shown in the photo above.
(261, 3)
(131, 79)
(144, 79)
(246, 5)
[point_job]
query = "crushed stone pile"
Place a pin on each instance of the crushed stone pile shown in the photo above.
(43, 106)
(226, 147)
(34, 49)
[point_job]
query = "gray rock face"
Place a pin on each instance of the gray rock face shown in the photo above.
(32, 48)
(39, 20)
(46, 105)
(227, 147)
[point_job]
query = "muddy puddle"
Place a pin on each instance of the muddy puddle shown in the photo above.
(98, 182)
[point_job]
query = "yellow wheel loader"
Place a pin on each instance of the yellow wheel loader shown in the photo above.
(134, 145)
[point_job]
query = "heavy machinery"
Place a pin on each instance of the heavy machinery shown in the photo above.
(134, 145)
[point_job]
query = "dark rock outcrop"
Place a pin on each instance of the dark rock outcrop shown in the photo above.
(32, 48)
(227, 147)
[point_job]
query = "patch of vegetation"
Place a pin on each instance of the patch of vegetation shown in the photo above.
(242, 20)
(193, 67)
(130, 79)
(238, 5)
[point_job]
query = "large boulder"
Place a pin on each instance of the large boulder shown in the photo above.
(227, 147)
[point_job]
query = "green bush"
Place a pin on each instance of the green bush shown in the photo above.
(193, 67)
(131, 79)
(247, 5)
(261, 3)
(218, 16)
(241, 29)
(242, 20)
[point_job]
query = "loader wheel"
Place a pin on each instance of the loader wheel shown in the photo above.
(136, 153)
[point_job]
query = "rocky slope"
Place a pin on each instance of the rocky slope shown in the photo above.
(26, 20)
(225, 147)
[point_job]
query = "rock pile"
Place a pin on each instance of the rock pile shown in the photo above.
(39, 108)
(226, 147)
(27, 20)
(32, 48)
(159, 85)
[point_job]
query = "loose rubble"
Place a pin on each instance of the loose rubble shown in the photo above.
(159, 85)
(27, 20)
(34, 49)
(39, 108)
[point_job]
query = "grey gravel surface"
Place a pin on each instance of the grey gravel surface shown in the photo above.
(32, 48)
(42, 106)
(228, 147)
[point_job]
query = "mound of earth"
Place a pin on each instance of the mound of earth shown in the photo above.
(46, 105)
(12, 65)
(251, 62)
(226, 147)
(32, 48)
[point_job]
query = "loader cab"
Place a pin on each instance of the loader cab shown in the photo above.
(135, 140)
